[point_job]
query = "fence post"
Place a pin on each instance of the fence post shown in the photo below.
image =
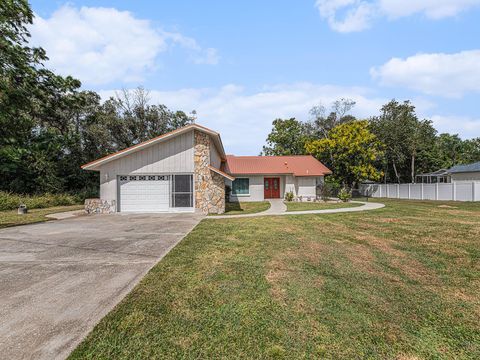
(388, 191)
(398, 191)
(436, 191)
(473, 190)
(409, 186)
(421, 192)
(454, 191)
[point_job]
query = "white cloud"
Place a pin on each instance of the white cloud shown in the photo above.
(433, 9)
(467, 127)
(449, 75)
(358, 15)
(244, 118)
(198, 55)
(102, 45)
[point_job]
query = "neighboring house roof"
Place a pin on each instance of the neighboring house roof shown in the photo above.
(465, 168)
(215, 136)
(301, 165)
(435, 173)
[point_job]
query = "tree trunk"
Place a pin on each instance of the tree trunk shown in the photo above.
(396, 172)
(413, 169)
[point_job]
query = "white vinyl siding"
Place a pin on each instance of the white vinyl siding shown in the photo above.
(470, 176)
(215, 159)
(172, 156)
(255, 189)
(306, 186)
(290, 184)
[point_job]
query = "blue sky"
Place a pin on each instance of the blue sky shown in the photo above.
(242, 64)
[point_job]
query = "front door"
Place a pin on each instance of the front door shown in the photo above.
(271, 188)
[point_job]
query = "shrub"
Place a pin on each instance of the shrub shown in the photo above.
(289, 196)
(345, 194)
(9, 201)
(328, 189)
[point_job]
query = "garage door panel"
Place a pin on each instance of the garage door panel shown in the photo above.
(148, 194)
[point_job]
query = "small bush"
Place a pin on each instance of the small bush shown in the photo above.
(289, 196)
(9, 201)
(345, 195)
(328, 189)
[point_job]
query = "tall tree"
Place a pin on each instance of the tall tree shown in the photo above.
(287, 137)
(448, 150)
(320, 123)
(351, 151)
(407, 140)
(470, 151)
(49, 126)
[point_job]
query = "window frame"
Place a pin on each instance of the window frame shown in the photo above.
(191, 192)
(241, 194)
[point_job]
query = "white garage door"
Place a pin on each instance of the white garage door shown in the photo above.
(144, 193)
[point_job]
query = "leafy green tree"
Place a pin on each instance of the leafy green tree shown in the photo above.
(49, 127)
(132, 119)
(29, 94)
(288, 137)
(471, 151)
(449, 150)
(408, 141)
(350, 151)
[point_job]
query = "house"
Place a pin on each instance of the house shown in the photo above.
(266, 177)
(439, 176)
(469, 172)
(457, 173)
(187, 170)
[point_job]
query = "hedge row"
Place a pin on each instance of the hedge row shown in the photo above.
(9, 201)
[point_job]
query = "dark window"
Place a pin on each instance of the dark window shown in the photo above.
(182, 183)
(183, 200)
(182, 191)
(241, 186)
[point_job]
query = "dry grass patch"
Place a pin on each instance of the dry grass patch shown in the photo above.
(401, 282)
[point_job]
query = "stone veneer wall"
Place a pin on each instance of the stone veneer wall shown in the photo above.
(209, 186)
(98, 206)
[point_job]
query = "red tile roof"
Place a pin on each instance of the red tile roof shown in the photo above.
(300, 165)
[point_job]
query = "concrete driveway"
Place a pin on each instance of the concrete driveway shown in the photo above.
(58, 279)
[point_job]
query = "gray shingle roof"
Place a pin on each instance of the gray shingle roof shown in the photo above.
(465, 168)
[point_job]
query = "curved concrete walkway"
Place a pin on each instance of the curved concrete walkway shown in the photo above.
(277, 207)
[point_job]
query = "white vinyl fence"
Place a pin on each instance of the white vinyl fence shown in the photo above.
(456, 191)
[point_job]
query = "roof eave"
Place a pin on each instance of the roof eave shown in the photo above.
(220, 172)
(94, 165)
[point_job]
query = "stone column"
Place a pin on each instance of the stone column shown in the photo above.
(209, 186)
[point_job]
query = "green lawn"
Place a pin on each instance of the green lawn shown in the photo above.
(11, 218)
(402, 282)
(235, 208)
(301, 206)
